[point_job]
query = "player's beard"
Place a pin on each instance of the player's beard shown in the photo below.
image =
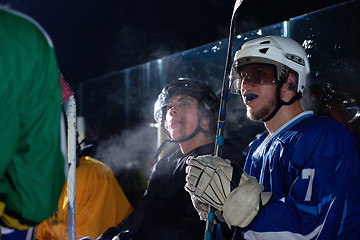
(261, 113)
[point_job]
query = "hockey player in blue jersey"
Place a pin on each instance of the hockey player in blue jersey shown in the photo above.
(301, 178)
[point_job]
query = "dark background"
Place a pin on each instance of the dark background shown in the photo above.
(95, 37)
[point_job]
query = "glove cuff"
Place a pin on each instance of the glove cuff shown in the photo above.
(243, 204)
(265, 197)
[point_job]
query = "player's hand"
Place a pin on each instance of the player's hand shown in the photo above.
(202, 209)
(214, 181)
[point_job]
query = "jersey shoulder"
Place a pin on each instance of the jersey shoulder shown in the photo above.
(20, 27)
(91, 168)
(317, 137)
(319, 126)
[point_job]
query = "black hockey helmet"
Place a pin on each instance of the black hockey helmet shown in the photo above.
(207, 100)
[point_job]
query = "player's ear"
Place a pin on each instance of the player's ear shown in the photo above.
(292, 81)
(205, 121)
(288, 90)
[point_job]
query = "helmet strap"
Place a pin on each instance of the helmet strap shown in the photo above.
(194, 133)
(170, 140)
(281, 102)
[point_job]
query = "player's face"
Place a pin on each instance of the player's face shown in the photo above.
(182, 116)
(258, 90)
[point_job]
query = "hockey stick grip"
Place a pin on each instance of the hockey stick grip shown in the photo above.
(209, 224)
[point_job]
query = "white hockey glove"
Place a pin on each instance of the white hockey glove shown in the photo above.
(212, 180)
(202, 209)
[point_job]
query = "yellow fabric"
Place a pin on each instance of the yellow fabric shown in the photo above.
(100, 203)
(2, 208)
(10, 221)
(14, 222)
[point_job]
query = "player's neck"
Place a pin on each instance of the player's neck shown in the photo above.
(198, 140)
(283, 116)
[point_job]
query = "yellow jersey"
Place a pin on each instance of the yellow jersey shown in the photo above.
(100, 203)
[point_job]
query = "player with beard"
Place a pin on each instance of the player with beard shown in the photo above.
(301, 176)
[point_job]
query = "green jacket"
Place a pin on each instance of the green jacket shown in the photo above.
(31, 162)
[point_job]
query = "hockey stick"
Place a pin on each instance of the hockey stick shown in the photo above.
(222, 113)
(69, 105)
(70, 110)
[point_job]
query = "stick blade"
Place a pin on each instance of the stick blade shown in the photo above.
(66, 90)
(237, 5)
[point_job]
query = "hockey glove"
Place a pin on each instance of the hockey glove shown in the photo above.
(214, 181)
(202, 209)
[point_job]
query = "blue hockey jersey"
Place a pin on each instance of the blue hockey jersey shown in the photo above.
(311, 166)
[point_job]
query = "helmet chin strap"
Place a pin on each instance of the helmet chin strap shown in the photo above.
(280, 102)
(171, 140)
(195, 132)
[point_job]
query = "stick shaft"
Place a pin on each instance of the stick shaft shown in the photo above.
(70, 111)
(225, 87)
(219, 143)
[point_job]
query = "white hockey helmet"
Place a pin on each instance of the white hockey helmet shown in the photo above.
(284, 53)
